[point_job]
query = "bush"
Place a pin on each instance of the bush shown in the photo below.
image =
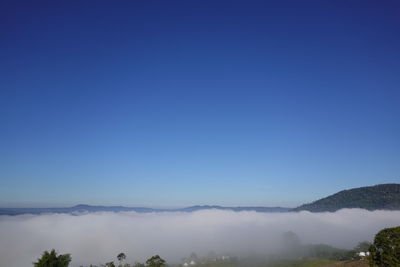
(385, 251)
(52, 260)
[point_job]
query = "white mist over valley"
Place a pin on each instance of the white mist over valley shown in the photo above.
(95, 238)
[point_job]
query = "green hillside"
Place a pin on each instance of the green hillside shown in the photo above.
(383, 196)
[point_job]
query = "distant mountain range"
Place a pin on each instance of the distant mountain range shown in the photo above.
(78, 209)
(378, 197)
(383, 196)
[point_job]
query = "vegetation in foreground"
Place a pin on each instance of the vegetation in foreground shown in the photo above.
(385, 251)
(50, 259)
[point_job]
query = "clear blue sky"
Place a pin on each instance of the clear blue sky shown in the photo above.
(175, 103)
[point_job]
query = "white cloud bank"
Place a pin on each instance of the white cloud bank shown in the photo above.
(98, 237)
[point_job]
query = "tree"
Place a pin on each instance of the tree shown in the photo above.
(155, 261)
(52, 260)
(291, 245)
(385, 251)
(121, 256)
(291, 240)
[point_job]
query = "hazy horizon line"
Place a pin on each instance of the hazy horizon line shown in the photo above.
(169, 207)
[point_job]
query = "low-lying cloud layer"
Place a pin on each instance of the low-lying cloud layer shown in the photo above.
(98, 237)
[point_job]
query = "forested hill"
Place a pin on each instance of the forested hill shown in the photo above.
(383, 196)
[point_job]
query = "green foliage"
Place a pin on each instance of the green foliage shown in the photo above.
(384, 196)
(50, 259)
(155, 261)
(385, 251)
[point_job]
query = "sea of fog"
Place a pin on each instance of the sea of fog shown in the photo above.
(96, 238)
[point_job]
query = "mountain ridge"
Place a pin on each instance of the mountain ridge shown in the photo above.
(377, 197)
(84, 208)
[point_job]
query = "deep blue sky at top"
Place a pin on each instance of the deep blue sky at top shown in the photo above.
(174, 103)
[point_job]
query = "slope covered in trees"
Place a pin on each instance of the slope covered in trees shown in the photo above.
(383, 196)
